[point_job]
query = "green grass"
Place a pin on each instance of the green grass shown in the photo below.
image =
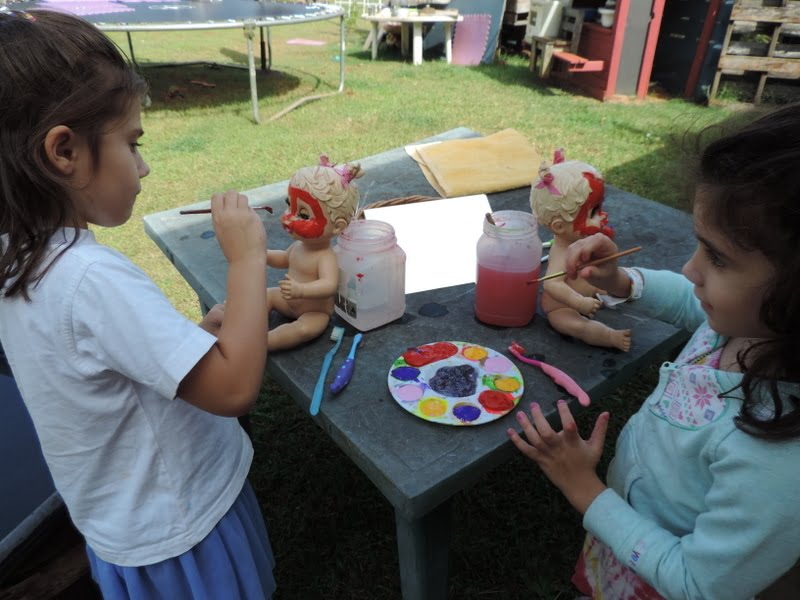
(332, 531)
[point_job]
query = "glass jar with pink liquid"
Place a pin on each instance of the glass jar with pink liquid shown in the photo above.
(509, 260)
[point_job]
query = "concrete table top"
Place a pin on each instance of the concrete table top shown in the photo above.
(416, 464)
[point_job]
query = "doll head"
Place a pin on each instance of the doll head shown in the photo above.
(567, 197)
(322, 200)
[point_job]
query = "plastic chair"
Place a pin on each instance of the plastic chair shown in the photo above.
(470, 39)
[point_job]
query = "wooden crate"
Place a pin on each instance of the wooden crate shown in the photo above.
(763, 38)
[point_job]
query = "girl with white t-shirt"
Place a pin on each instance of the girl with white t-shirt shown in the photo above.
(134, 405)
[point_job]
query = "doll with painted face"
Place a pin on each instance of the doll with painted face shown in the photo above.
(321, 203)
(567, 197)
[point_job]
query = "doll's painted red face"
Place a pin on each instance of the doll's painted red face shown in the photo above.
(304, 217)
(591, 219)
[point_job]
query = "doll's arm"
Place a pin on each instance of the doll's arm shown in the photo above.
(323, 287)
(278, 259)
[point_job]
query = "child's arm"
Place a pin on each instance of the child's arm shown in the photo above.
(569, 461)
(227, 379)
(747, 535)
(213, 319)
(323, 287)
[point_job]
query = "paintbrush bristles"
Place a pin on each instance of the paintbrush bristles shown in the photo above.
(592, 263)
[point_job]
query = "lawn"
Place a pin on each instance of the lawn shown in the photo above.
(332, 532)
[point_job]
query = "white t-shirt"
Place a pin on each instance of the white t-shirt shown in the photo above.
(98, 354)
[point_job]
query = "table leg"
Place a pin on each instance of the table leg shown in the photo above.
(374, 40)
(448, 42)
(423, 546)
(417, 43)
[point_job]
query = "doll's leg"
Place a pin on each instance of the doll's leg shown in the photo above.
(307, 327)
(571, 322)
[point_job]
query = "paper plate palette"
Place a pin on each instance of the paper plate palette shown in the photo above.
(455, 383)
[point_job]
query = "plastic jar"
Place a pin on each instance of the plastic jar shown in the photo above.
(372, 275)
(509, 256)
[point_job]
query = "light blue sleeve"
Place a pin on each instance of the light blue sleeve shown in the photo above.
(748, 536)
(669, 297)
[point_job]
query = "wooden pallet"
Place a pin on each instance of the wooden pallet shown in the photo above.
(763, 37)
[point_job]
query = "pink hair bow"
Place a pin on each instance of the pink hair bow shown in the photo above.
(344, 171)
(546, 181)
(558, 156)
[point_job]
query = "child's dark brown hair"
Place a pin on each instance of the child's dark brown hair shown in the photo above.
(55, 69)
(753, 175)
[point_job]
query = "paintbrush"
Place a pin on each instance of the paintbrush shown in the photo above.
(206, 211)
(591, 263)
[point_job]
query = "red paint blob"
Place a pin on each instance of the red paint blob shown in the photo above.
(424, 355)
(496, 402)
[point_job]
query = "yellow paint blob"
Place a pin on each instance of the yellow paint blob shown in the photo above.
(433, 407)
(506, 384)
(475, 353)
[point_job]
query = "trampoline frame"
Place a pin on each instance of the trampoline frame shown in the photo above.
(249, 27)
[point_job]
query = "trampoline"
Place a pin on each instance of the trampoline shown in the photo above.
(182, 15)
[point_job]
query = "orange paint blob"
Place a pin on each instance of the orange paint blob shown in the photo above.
(433, 407)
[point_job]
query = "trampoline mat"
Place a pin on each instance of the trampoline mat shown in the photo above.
(176, 12)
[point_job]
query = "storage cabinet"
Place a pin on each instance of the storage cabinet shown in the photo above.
(626, 50)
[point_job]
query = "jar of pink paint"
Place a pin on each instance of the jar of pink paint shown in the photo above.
(509, 255)
(372, 275)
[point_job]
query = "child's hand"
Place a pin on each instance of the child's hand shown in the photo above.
(587, 249)
(290, 289)
(566, 459)
(606, 276)
(213, 319)
(239, 230)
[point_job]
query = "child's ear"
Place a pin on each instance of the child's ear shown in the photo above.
(60, 146)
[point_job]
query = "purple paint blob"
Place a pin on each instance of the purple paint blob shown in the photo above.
(466, 413)
(409, 393)
(497, 364)
(456, 382)
(405, 373)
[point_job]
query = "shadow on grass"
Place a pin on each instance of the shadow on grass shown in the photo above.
(513, 534)
(182, 87)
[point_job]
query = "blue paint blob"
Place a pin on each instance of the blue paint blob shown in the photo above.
(405, 373)
(207, 234)
(456, 382)
(466, 413)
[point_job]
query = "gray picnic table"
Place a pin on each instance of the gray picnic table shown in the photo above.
(419, 465)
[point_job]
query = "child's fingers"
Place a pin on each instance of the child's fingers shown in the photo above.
(543, 428)
(599, 432)
(523, 446)
(530, 431)
(567, 421)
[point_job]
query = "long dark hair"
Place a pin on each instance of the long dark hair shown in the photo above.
(753, 175)
(55, 69)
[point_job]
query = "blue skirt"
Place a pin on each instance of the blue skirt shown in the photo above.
(234, 562)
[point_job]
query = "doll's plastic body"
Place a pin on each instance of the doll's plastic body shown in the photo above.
(322, 201)
(567, 198)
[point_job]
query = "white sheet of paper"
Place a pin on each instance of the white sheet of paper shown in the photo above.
(439, 238)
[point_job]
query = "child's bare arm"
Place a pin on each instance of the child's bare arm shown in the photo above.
(227, 379)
